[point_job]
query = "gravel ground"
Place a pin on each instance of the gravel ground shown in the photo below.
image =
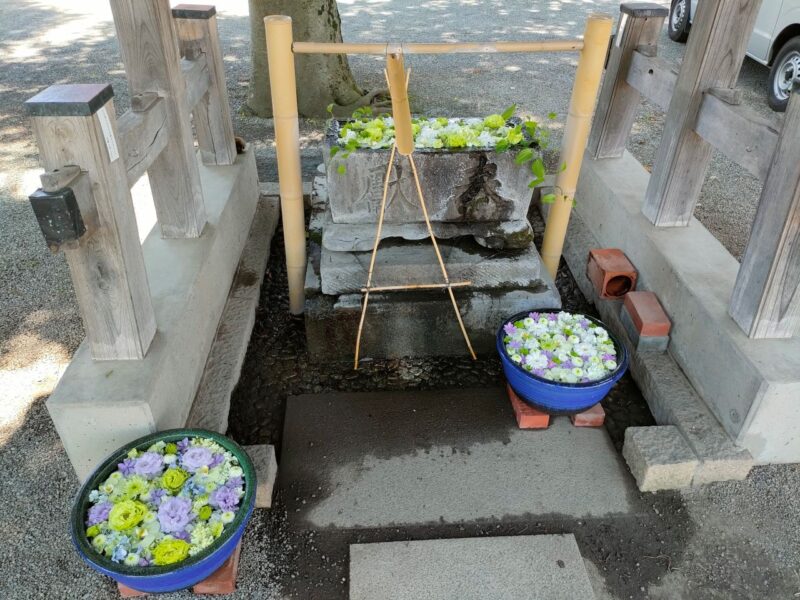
(733, 540)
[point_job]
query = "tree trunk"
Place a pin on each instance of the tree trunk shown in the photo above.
(322, 79)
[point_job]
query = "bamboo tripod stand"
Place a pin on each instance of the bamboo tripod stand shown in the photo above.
(397, 79)
(283, 86)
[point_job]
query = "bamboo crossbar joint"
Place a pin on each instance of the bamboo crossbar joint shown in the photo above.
(440, 48)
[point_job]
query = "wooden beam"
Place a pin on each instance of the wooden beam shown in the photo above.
(149, 47)
(76, 125)
(714, 54)
(739, 133)
(653, 77)
(198, 80)
(639, 26)
(443, 48)
(766, 297)
(197, 33)
(143, 134)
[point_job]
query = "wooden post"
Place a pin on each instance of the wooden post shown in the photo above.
(766, 297)
(714, 55)
(576, 132)
(639, 28)
(197, 34)
(76, 125)
(149, 48)
(283, 87)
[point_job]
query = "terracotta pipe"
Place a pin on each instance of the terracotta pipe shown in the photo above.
(576, 133)
(287, 140)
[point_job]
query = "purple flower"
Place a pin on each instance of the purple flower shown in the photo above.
(216, 460)
(552, 317)
(149, 464)
(567, 364)
(183, 445)
(515, 344)
(98, 513)
(523, 360)
(538, 372)
(156, 495)
(182, 535)
(196, 457)
(234, 482)
(584, 323)
(609, 357)
(585, 357)
(585, 380)
(509, 328)
(143, 562)
(551, 364)
(548, 353)
(126, 466)
(224, 498)
(174, 514)
(534, 315)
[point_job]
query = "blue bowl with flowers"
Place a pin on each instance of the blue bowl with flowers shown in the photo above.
(165, 511)
(560, 362)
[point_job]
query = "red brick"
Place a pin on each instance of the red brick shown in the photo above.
(594, 417)
(223, 580)
(610, 272)
(127, 592)
(647, 314)
(527, 416)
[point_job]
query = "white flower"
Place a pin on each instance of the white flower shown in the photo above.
(170, 459)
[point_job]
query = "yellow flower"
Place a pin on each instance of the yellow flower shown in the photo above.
(126, 514)
(170, 551)
(204, 514)
(173, 479)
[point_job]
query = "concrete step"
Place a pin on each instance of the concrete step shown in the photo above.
(529, 567)
(372, 460)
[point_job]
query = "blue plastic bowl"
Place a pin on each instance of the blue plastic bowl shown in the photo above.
(166, 578)
(552, 397)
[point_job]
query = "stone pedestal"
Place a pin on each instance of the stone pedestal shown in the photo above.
(506, 275)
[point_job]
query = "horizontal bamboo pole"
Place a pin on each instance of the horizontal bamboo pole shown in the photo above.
(416, 286)
(443, 48)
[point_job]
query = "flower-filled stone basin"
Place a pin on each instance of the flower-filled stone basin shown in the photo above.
(470, 170)
(558, 362)
(165, 511)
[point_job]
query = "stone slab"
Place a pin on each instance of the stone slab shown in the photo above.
(751, 386)
(415, 323)
(100, 405)
(527, 567)
(351, 237)
(263, 457)
(670, 396)
(415, 262)
(213, 399)
(447, 456)
(659, 458)
(457, 185)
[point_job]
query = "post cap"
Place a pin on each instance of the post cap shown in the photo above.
(194, 11)
(643, 10)
(70, 100)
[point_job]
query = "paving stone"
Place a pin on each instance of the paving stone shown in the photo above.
(415, 262)
(528, 567)
(354, 460)
(527, 416)
(659, 458)
(263, 457)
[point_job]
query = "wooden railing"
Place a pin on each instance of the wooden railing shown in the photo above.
(175, 72)
(704, 111)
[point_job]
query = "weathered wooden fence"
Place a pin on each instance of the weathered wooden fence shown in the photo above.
(704, 112)
(175, 72)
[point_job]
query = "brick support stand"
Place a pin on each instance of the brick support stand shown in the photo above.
(611, 273)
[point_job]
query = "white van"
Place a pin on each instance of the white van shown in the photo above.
(775, 42)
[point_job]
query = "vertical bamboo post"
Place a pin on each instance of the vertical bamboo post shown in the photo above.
(401, 110)
(576, 133)
(287, 140)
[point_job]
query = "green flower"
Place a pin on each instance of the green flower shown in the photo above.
(170, 551)
(135, 487)
(171, 448)
(93, 531)
(126, 514)
(173, 479)
(216, 528)
(204, 514)
(494, 121)
(455, 140)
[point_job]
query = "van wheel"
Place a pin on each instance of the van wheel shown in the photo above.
(785, 71)
(678, 27)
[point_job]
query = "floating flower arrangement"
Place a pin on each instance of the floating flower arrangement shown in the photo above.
(561, 347)
(165, 504)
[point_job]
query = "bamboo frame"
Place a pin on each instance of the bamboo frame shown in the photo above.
(287, 140)
(443, 48)
(576, 134)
